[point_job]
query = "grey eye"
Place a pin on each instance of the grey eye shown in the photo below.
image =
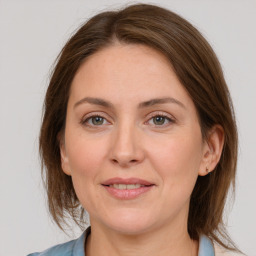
(97, 120)
(159, 120)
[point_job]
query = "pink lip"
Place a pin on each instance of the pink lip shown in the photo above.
(126, 194)
(117, 180)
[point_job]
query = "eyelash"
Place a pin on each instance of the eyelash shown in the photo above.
(163, 115)
(166, 117)
(85, 120)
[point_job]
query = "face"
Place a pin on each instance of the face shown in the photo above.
(132, 143)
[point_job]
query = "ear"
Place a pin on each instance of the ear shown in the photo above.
(63, 154)
(212, 150)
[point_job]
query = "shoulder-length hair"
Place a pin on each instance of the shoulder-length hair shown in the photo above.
(199, 71)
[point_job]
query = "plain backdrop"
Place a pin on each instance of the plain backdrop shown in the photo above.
(31, 35)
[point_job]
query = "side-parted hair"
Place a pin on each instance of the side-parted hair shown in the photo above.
(199, 71)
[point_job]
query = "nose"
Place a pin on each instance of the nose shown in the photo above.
(127, 149)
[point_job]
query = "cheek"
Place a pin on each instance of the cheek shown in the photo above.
(178, 159)
(85, 154)
(85, 160)
(178, 168)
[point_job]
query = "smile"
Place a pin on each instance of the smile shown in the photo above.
(127, 189)
(126, 186)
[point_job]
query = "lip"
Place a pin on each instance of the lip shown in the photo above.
(132, 180)
(127, 194)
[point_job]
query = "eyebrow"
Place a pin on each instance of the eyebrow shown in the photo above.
(152, 102)
(94, 101)
(160, 101)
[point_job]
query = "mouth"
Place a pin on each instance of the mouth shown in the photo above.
(127, 188)
(129, 183)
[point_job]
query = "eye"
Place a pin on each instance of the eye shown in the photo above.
(95, 120)
(161, 120)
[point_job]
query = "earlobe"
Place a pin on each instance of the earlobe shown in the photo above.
(64, 158)
(212, 150)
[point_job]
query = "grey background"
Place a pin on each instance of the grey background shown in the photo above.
(32, 34)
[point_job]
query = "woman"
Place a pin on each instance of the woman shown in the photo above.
(139, 132)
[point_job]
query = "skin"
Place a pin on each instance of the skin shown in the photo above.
(129, 141)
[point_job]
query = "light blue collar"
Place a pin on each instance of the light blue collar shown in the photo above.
(76, 247)
(206, 247)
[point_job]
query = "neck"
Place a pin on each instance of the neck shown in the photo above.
(162, 241)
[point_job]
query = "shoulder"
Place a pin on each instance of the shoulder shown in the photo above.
(220, 251)
(64, 249)
(74, 247)
(211, 248)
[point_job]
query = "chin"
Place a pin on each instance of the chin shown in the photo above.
(130, 224)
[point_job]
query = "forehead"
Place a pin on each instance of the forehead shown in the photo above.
(129, 70)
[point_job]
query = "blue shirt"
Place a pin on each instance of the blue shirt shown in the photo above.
(76, 247)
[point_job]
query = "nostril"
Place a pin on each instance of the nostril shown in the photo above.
(123, 162)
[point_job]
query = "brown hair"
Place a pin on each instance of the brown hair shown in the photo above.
(199, 71)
